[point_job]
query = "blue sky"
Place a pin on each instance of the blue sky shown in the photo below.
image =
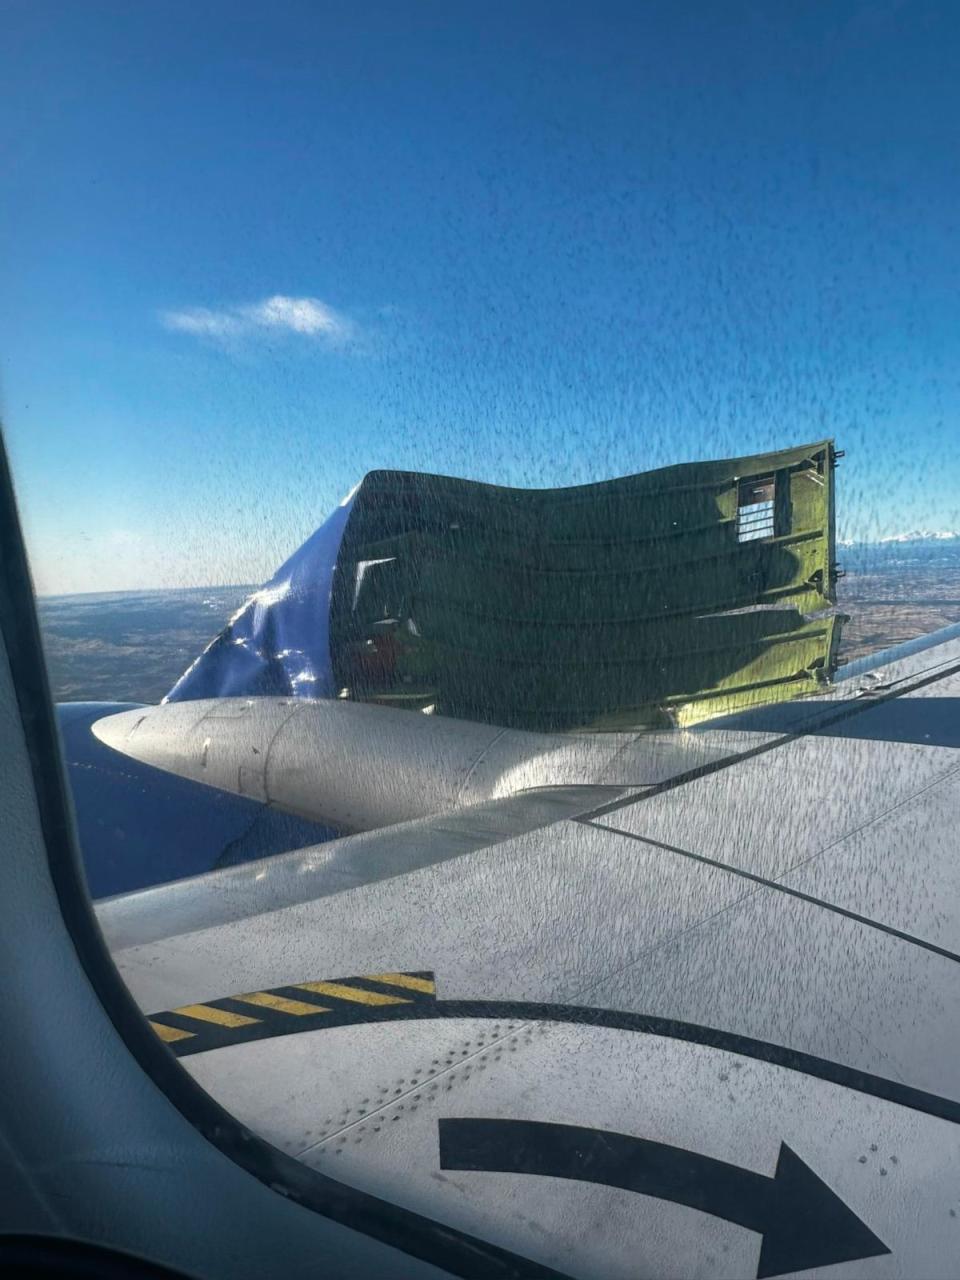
(250, 251)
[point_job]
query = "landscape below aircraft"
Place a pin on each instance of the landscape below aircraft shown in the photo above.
(524, 875)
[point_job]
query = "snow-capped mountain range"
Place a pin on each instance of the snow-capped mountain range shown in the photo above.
(915, 535)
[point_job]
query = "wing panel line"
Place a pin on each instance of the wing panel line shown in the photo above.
(783, 888)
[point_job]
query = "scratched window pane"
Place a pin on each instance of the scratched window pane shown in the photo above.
(491, 483)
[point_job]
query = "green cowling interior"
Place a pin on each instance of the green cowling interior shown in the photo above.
(603, 606)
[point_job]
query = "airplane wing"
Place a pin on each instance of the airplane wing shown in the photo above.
(693, 1020)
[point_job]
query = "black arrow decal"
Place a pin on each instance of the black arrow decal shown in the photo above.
(802, 1221)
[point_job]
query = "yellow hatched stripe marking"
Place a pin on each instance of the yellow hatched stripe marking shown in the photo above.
(405, 980)
(299, 1008)
(204, 1013)
(169, 1034)
(341, 992)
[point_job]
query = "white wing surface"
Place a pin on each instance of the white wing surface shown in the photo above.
(698, 1021)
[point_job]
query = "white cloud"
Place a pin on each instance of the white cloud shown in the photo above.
(210, 324)
(306, 316)
(302, 315)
